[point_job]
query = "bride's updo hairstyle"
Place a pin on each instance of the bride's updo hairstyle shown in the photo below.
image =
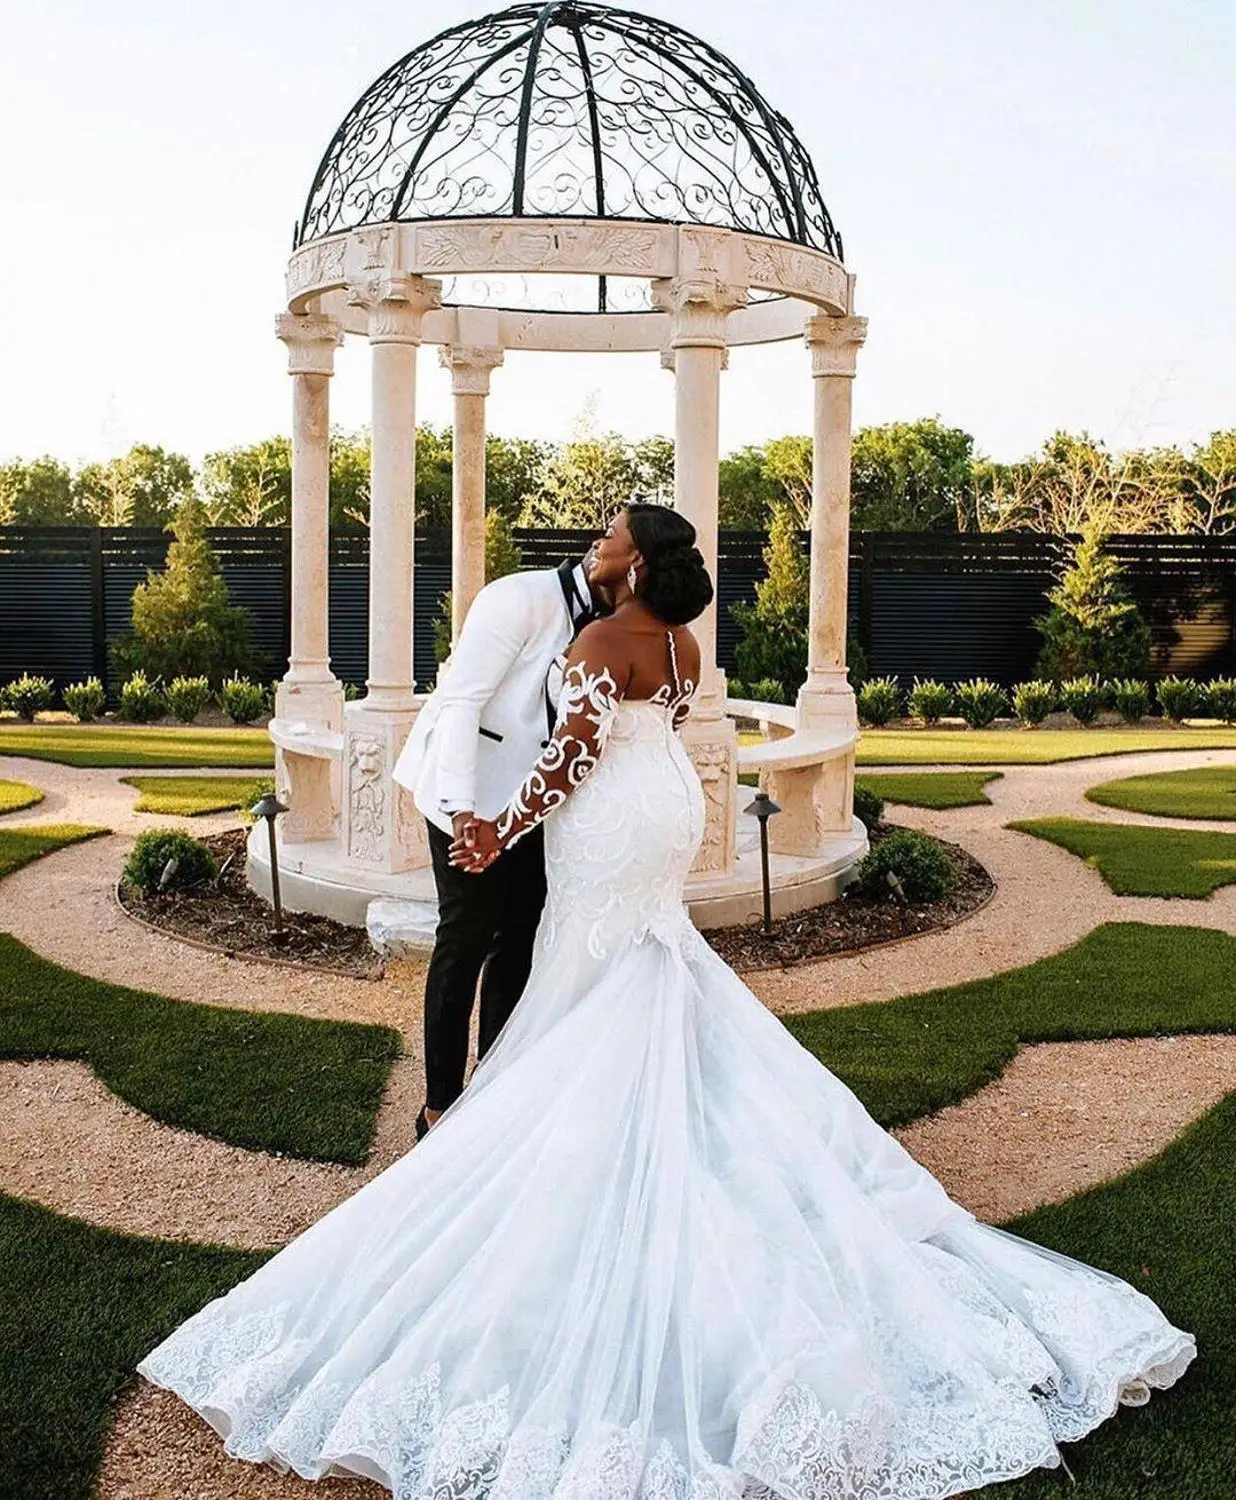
(676, 587)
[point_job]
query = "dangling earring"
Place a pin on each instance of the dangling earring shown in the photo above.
(632, 577)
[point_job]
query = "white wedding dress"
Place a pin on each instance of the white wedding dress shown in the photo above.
(657, 1251)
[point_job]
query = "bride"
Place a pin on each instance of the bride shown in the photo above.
(655, 1251)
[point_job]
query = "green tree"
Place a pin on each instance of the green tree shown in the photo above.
(747, 493)
(349, 477)
(38, 493)
(502, 556)
(249, 485)
(911, 476)
(143, 487)
(588, 478)
(433, 477)
(513, 469)
(787, 462)
(184, 624)
(774, 628)
(1093, 626)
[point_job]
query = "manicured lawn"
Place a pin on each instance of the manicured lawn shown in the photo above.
(935, 789)
(1138, 861)
(190, 796)
(18, 846)
(1011, 747)
(263, 1080)
(1207, 792)
(137, 745)
(14, 795)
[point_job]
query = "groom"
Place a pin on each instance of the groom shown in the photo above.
(473, 742)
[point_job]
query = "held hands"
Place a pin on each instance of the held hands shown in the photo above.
(476, 845)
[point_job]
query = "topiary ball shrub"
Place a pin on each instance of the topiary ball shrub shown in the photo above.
(141, 700)
(980, 702)
(187, 697)
(1221, 699)
(868, 806)
(1179, 698)
(85, 700)
(27, 695)
(156, 849)
(921, 869)
(1131, 699)
(930, 700)
(1083, 698)
(1033, 701)
(242, 701)
(879, 700)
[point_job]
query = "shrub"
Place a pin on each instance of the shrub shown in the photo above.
(1220, 697)
(242, 701)
(980, 702)
(1033, 701)
(1083, 698)
(154, 850)
(930, 700)
(768, 690)
(918, 864)
(27, 695)
(879, 700)
(85, 700)
(774, 628)
(1179, 698)
(1093, 627)
(856, 664)
(187, 697)
(868, 806)
(141, 700)
(1131, 698)
(251, 792)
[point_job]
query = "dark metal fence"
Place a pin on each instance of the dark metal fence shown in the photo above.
(936, 605)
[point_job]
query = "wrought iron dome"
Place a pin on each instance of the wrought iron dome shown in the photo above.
(568, 110)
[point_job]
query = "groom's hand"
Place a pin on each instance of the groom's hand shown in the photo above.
(476, 848)
(460, 823)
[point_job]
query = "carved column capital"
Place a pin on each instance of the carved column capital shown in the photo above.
(834, 344)
(396, 304)
(697, 308)
(470, 366)
(311, 340)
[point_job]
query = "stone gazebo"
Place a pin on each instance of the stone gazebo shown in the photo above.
(558, 177)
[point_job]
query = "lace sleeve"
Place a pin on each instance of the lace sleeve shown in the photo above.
(590, 699)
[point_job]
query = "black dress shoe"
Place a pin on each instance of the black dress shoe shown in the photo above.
(422, 1124)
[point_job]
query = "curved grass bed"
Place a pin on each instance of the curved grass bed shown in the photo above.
(1027, 747)
(1207, 792)
(192, 796)
(1138, 861)
(258, 1079)
(18, 846)
(939, 790)
(137, 745)
(14, 795)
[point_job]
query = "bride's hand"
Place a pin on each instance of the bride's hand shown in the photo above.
(477, 847)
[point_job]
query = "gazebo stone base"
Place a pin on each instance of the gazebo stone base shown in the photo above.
(314, 877)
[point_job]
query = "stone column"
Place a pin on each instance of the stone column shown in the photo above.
(381, 828)
(309, 692)
(818, 804)
(696, 353)
(470, 367)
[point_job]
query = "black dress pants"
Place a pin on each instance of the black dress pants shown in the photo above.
(486, 927)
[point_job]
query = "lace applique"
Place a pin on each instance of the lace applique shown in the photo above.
(585, 713)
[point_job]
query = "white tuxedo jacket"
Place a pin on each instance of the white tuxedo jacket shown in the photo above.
(483, 728)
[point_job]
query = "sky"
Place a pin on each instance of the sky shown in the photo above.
(1038, 198)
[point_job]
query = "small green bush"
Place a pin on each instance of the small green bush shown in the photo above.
(1131, 698)
(917, 862)
(1083, 698)
(768, 690)
(879, 700)
(141, 700)
(85, 700)
(868, 807)
(1179, 698)
(27, 695)
(251, 793)
(242, 701)
(980, 702)
(930, 700)
(187, 697)
(1033, 701)
(1221, 699)
(152, 852)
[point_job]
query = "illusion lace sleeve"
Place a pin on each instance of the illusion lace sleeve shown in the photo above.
(590, 699)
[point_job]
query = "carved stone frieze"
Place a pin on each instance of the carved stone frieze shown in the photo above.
(779, 267)
(367, 784)
(315, 266)
(619, 249)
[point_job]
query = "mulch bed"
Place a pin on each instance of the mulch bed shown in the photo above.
(854, 921)
(227, 915)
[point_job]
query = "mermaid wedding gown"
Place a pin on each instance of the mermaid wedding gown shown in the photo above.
(657, 1251)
